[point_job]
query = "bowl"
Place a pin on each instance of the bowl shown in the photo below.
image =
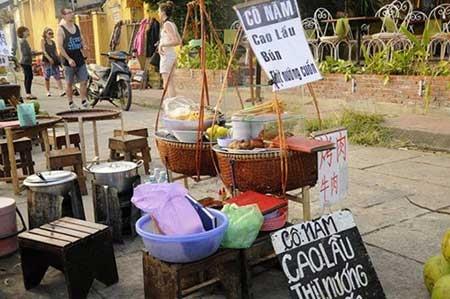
(224, 142)
(186, 136)
(184, 125)
(182, 249)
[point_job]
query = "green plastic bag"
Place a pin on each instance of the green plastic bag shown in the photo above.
(244, 225)
(26, 115)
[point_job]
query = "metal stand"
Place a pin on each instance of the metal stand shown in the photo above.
(115, 209)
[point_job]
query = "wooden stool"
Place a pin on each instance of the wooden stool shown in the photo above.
(170, 281)
(69, 157)
(80, 249)
(59, 141)
(130, 146)
(261, 253)
(23, 147)
(142, 132)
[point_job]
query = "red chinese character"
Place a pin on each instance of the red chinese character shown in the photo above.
(324, 186)
(341, 144)
(334, 184)
(326, 156)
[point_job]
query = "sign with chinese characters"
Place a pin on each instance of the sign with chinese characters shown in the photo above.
(275, 32)
(326, 258)
(333, 168)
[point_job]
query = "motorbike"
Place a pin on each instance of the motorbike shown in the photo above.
(112, 84)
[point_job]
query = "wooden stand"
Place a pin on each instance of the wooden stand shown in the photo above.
(170, 281)
(142, 132)
(130, 147)
(46, 207)
(115, 209)
(82, 250)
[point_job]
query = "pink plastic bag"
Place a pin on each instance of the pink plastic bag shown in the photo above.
(169, 208)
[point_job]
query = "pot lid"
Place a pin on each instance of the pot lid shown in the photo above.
(113, 167)
(50, 176)
(7, 205)
(31, 183)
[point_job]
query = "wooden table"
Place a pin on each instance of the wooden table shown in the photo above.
(86, 115)
(357, 22)
(13, 132)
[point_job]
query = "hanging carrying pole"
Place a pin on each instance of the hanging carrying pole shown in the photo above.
(316, 103)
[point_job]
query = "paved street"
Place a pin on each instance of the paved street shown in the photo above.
(398, 235)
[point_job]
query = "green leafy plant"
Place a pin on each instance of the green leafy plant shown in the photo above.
(330, 65)
(215, 59)
(363, 128)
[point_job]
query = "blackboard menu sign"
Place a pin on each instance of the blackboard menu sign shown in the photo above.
(326, 259)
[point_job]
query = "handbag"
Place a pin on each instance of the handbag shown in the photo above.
(155, 59)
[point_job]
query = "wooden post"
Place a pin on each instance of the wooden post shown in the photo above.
(66, 133)
(122, 126)
(96, 150)
(316, 103)
(46, 146)
(12, 159)
(306, 201)
(82, 141)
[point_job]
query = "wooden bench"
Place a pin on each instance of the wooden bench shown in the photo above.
(170, 281)
(82, 250)
(142, 132)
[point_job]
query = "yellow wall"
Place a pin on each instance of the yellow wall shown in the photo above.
(44, 15)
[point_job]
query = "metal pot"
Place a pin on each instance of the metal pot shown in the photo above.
(119, 174)
(56, 187)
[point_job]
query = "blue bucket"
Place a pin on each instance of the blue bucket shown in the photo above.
(182, 249)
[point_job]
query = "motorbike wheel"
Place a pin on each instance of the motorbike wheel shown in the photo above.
(123, 95)
(91, 95)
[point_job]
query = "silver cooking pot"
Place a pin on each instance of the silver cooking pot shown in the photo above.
(117, 174)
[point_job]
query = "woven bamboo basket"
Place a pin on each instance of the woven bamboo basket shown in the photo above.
(261, 172)
(179, 157)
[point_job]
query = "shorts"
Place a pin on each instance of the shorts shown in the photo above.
(50, 70)
(167, 61)
(76, 74)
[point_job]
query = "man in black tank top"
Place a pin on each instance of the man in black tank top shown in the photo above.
(70, 45)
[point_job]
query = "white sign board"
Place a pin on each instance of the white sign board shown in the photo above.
(4, 48)
(275, 32)
(333, 168)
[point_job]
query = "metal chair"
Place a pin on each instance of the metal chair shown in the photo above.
(333, 42)
(312, 33)
(414, 19)
(440, 42)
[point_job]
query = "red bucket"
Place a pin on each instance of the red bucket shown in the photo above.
(8, 229)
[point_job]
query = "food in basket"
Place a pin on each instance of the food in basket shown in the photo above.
(267, 107)
(215, 132)
(246, 144)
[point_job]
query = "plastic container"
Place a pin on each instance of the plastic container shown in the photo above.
(224, 142)
(184, 125)
(182, 249)
(8, 226)
(26, 115)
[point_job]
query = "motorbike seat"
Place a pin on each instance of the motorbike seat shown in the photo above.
(99, 70)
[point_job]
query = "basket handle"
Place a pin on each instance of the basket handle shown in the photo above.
(233, 177)
(166, 87)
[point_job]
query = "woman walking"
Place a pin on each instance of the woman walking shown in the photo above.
(170, 38)
(50, 61)
(26, 59)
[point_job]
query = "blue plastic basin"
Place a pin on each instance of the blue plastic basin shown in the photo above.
(183, 249)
